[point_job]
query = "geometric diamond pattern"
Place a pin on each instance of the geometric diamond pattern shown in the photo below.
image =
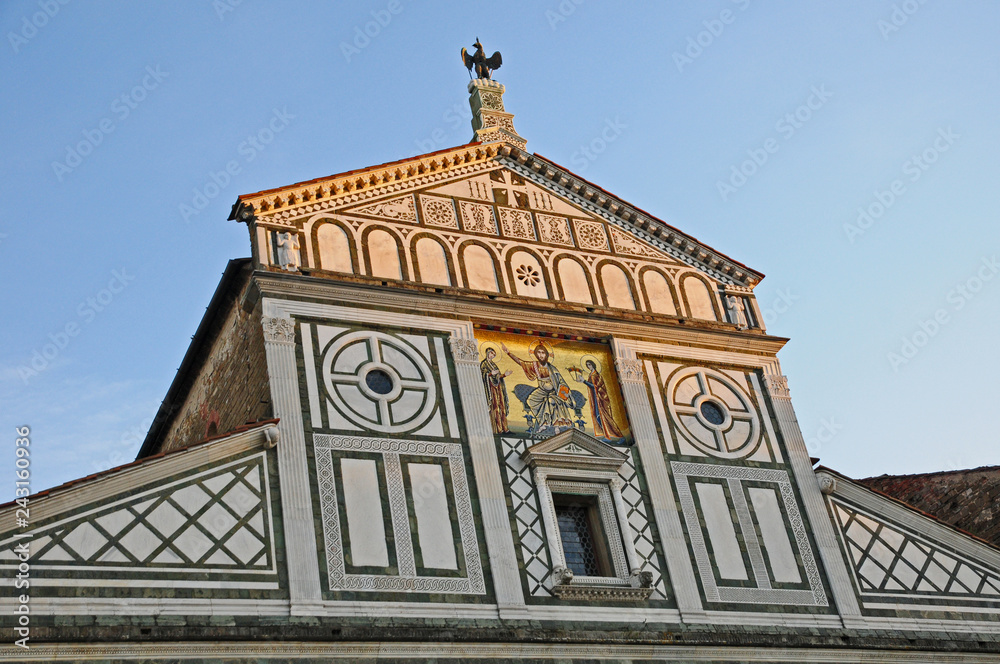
(216, 519)
(888, 558)
(642, 529)
(531, 529)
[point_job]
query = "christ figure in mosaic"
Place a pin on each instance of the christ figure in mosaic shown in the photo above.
(496, 391)
(600, 403)
(549, 402)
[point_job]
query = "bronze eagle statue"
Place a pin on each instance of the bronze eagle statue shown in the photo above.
(480, 62)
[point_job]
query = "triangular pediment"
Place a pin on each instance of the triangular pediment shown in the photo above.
(486, 174)
(574, 448)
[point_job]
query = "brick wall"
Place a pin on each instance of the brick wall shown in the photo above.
(966, 499)
(230, 385)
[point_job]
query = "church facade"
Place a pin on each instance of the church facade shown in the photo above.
(469, 405)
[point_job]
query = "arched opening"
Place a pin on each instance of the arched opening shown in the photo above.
(480, 271)
(383, 255)
(699, 299)
(528, 275)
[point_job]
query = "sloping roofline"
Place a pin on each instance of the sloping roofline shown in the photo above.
(230, 282)
(928, 515)
(247, 205)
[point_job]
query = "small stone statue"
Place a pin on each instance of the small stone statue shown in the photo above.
(562, 576)
(288, 251)
(641, 579)
(480, 62)
(737, 311)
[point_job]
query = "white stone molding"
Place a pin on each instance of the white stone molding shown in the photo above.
(665, 509)
(354, 651)
(293, 471)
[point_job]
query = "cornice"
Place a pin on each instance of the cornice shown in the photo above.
(513, 312)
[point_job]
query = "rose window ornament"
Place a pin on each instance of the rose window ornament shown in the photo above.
(713, 413)
(528, 275)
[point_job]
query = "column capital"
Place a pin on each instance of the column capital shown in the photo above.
(777, 386)
(278, 330)
(629, 371)
(464, 350)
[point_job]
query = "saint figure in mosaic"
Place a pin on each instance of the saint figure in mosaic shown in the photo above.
(600, 401)
(496, 390)
(549, 402)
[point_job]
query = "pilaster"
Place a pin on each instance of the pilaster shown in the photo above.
(293, 471)
(813, 502)
(632, 379)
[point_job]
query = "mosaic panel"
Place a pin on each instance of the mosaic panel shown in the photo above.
(539, 387)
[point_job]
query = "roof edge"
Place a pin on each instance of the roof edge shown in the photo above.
(167, 410)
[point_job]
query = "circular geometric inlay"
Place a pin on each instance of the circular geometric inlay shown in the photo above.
(713, 412)
(379, 381)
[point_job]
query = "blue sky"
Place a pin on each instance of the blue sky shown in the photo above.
(827, 108)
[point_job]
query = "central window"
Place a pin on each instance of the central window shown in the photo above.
(582, 537)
